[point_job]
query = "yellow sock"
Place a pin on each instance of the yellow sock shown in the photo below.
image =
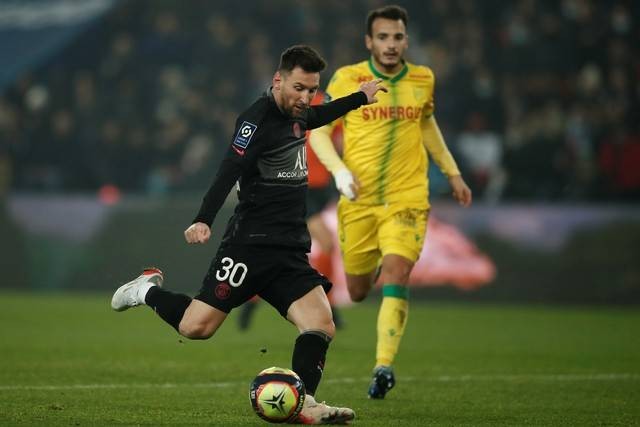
(392, 319)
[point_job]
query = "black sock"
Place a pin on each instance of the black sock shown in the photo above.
(308, 359)
(169, 306)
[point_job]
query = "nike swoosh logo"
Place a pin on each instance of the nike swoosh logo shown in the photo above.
(237, 150)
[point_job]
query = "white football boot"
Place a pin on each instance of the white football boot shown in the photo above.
(321, 413)
(132, 294)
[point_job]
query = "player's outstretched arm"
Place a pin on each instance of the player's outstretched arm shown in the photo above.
(198, 232)
(320, 115)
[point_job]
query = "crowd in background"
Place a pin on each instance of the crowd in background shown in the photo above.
(538, 100)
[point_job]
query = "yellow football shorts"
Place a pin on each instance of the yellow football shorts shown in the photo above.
(367, 233)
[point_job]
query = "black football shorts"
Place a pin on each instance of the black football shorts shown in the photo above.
(278, 275)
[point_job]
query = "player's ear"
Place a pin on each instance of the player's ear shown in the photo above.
(277, 80)
(368, 41)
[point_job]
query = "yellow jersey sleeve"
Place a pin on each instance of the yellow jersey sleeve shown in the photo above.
(340, 84)
(437, 148)
(432, 137)
(429, 105)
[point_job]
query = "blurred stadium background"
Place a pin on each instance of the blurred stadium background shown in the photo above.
(114, 115)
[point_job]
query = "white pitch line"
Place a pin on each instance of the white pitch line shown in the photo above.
(440, 378)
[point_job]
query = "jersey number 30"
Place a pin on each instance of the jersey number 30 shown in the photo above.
(234, 271)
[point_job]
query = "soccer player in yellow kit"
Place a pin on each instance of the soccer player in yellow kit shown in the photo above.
(382, 177)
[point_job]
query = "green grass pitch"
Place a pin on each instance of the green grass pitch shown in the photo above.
(67, 359)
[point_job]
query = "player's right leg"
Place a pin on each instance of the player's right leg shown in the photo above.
(359, 285)
(133, 293)
(191, 318)
(146, 290)
(358, 235)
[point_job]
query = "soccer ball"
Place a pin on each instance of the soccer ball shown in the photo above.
(277, 395)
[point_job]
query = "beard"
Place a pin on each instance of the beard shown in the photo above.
(388, 63)
(290, 110)
(295, 110)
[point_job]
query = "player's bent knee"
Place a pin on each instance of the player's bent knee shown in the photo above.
(196, 331)
(396, 269)
(358, 294)
(329, 328)
(324, 324)
(400, 276)
(359, 286)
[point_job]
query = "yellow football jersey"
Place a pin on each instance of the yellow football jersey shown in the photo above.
(383, 142)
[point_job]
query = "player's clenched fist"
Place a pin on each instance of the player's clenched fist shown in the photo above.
(197, 233)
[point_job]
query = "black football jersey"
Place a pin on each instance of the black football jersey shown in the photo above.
(267, 158)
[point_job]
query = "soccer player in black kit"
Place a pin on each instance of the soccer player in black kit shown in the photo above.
(264, 248)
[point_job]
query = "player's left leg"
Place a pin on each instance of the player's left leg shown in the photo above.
(401, 238)
(190, 317)
(312, 316)
(392, 320)
(299, 294)
(394, 309)
(200, 320)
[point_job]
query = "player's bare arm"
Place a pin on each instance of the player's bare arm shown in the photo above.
(198, 232)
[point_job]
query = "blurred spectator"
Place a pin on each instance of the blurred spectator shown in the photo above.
(480, 151)
(618, 159)
(539, 97)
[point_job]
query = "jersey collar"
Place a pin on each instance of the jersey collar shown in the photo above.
(270, 95)
(393, 79)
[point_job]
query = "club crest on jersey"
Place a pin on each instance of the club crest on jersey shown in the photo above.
(244, 135)
(419, 93)
(223, 290)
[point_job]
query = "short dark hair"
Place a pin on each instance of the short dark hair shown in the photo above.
(392, 12)
(301, 56)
